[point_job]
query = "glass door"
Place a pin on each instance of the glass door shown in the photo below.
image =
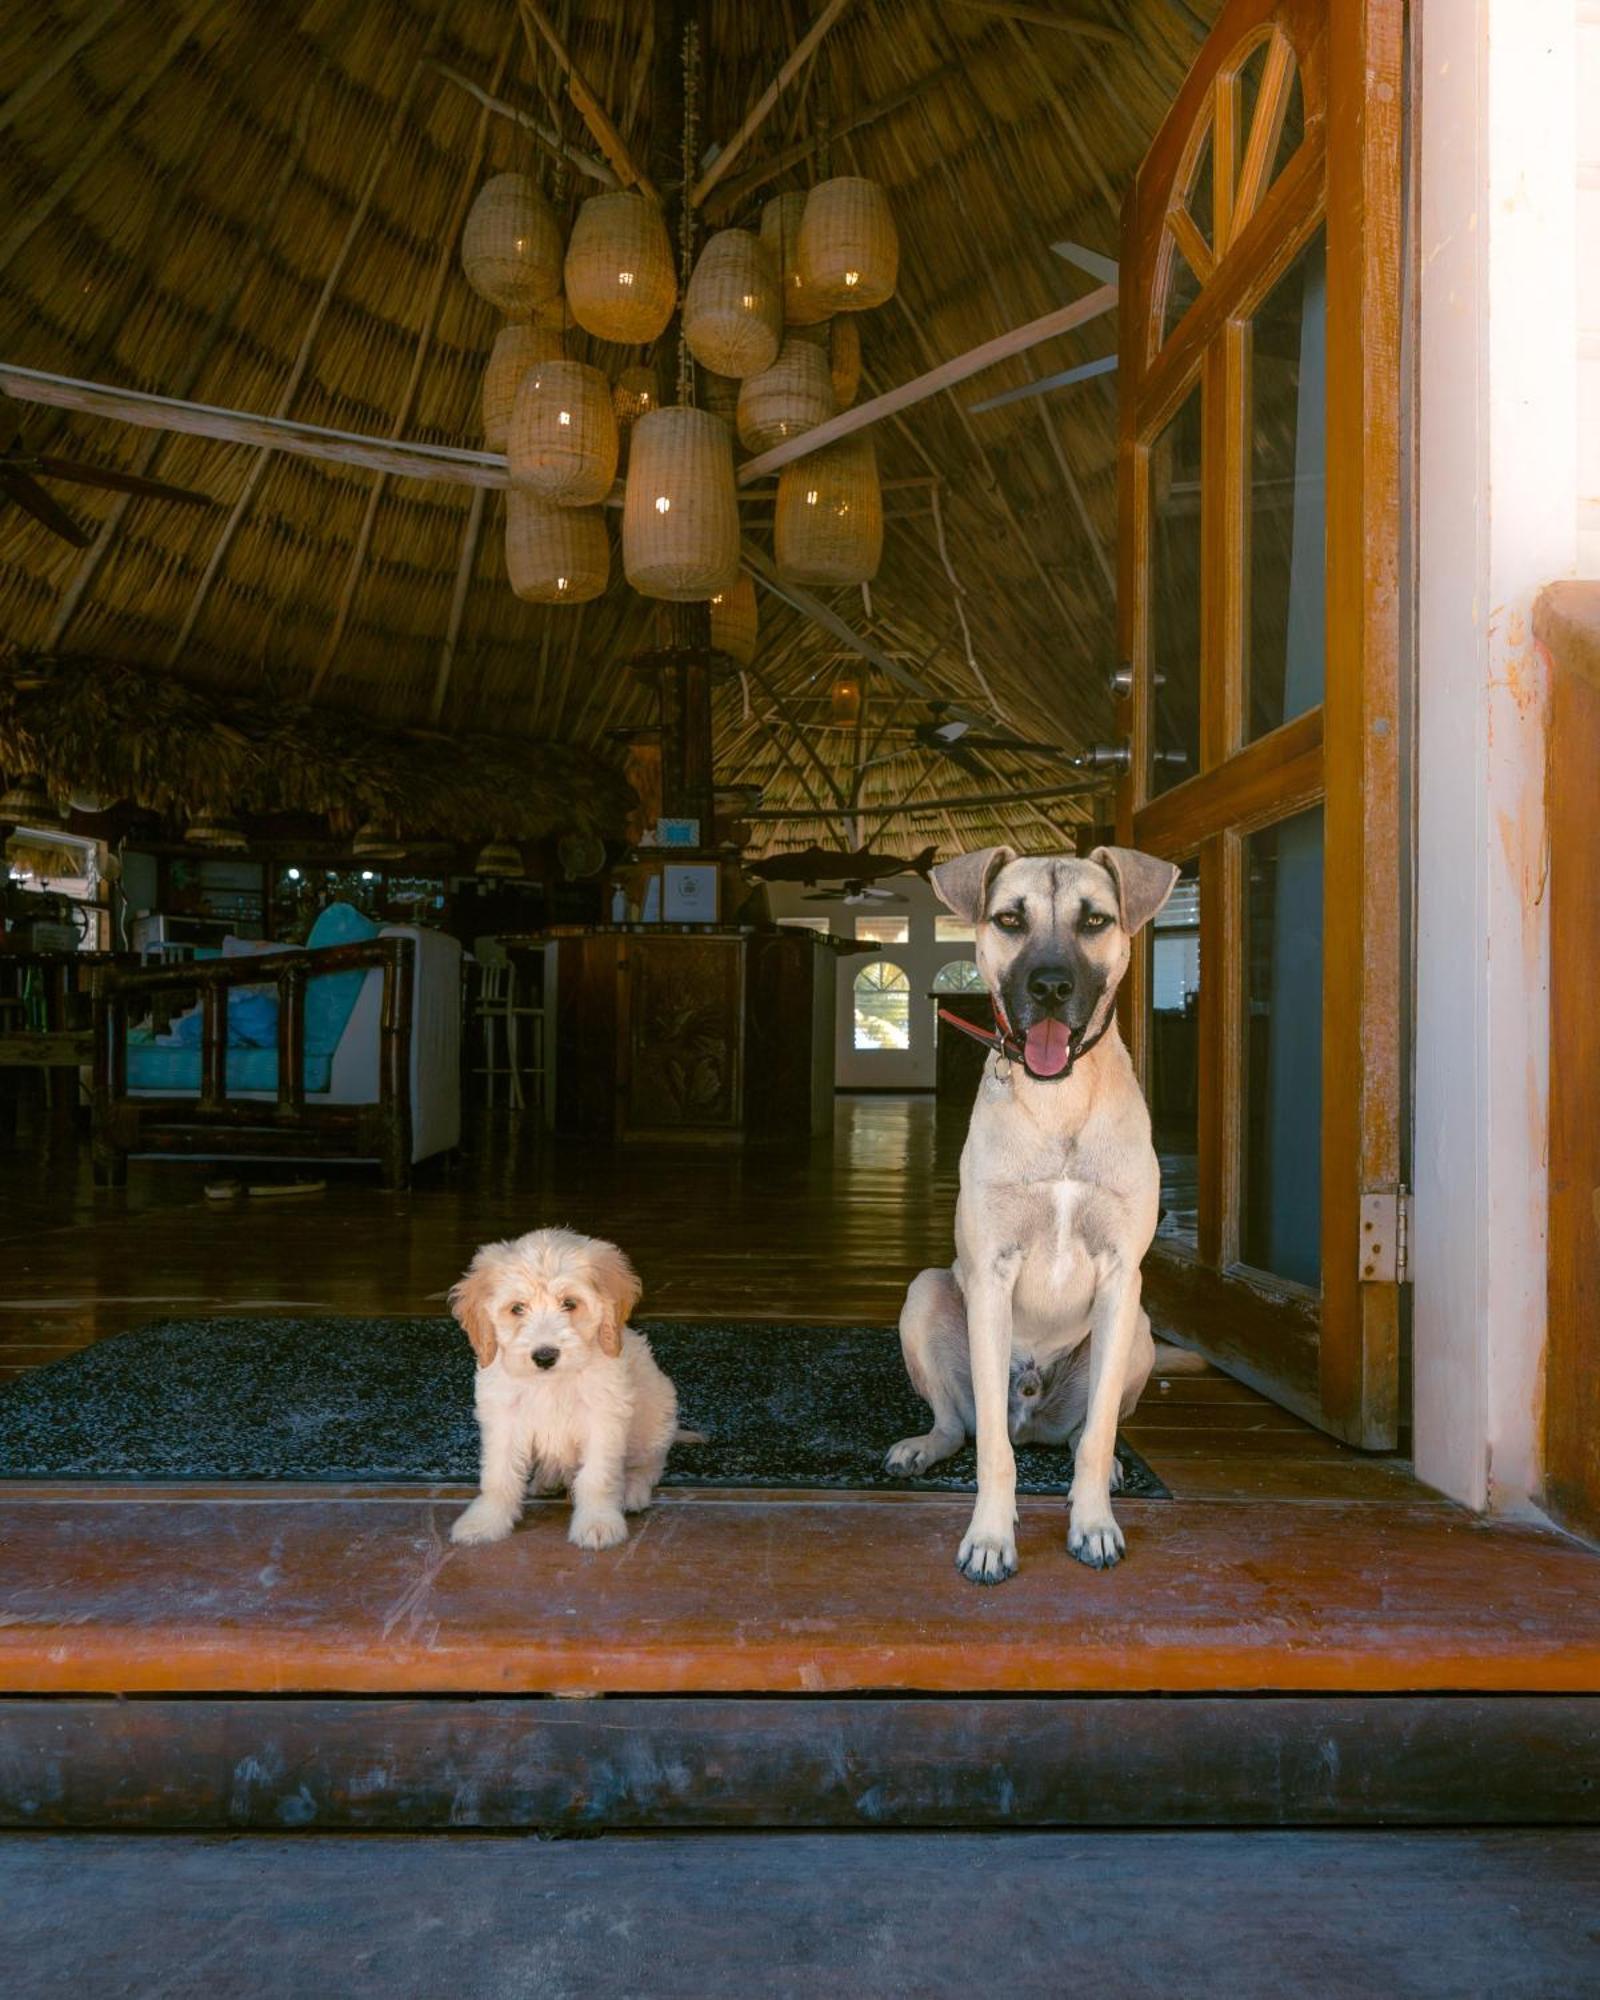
(1258, 613)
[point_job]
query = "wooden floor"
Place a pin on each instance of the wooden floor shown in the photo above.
(827, 1231)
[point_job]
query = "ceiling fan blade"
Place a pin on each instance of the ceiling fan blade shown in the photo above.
(32, 497)
(1046, 383)
(119, 482)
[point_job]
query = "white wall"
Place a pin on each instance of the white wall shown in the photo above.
(920, 958)
(1494, 99)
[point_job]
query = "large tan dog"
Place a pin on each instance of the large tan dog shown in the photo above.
(1059, 1197)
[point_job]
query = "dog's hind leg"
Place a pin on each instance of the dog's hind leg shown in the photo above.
(933, 1339)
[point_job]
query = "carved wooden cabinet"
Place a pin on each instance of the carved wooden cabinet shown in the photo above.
(699, 1034)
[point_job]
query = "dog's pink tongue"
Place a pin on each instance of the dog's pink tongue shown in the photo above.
(1048, 1047)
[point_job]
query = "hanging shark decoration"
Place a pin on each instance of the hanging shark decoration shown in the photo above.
(812, 865)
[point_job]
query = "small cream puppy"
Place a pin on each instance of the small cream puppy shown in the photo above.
(567, 1394)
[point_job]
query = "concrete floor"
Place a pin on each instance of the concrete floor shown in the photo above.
(1249, 1916)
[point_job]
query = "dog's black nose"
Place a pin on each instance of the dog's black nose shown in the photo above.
(1050, 985)
(546, 1357)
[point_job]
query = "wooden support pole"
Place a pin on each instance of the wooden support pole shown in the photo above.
(551, 142)
(1082, 788)
(793, 63)
(1047, 17)
(458, 603)
(1020, 338)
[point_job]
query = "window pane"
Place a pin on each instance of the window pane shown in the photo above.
(883, 930)
(960, 976)
(1288, 492)
(883, 1008)
(1174, 1045)
(1281, 1227)
(1175, 598)
(953, 930)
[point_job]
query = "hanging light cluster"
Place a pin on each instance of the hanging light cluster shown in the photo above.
(769, 317)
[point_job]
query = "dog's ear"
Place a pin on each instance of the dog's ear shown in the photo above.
(1143, 883)
(962, 885)
(618, 1285)
(470, 1301)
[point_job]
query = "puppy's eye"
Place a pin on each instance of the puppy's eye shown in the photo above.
(1010, 920)
(518, 1310)
(1094, 920)
(569, 1305)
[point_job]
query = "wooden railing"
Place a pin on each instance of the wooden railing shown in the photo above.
(126, 1123)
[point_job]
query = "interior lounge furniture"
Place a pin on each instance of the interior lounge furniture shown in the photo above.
(347, 1050)
(508, 1012)
(45, 1023)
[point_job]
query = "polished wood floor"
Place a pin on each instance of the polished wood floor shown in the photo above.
(831, 1230)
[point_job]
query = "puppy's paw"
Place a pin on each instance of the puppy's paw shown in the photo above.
(597, 1531)
(986, 1556)
(483, 1521)
(638, 1492)
(1094, 1538)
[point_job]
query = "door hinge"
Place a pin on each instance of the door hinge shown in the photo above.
(1386, 1236)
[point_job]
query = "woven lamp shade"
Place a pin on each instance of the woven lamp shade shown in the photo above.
(500, 857)
(516, 349)
(680, 519)
(844, 358)
(720, 395)
(511, 246)
(733, 309)
(215, 832)
(27, 802)
(620, 280)
(780, 234)
(848, 254)
(555, 555)
(377, 842)
(735, 622)
(794, 395)
(635, 394)
(562, 443)
(828, 527)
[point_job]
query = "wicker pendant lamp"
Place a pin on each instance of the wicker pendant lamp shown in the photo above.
(844, 358)
(516, 350)
(792, 396)
(619, 271)
(502, 858)
(511, 246)
(848, 253)
(780, 234)
(562, 443)
(634, 394)
(26, 801)
(680, 519)
(733, 308)
(735, 622)
(828, 527)
(377, 842)
(720, 395)
(215, 832)
(555, 555)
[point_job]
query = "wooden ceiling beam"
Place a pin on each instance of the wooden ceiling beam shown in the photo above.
(1047, 17)
(935, 803)
(761, 110)
(948, 373)
(590, 109)
(446, 463)
(552, 142)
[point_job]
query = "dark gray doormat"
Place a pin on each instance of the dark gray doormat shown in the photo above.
(391, 1399)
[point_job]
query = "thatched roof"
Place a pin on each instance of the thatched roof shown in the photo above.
(257, 204)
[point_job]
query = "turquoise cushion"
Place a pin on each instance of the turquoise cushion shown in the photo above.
(331, 996)
(160, 1066)
(252, 1020)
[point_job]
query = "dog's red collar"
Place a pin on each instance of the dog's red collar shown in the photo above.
(1002, 1038)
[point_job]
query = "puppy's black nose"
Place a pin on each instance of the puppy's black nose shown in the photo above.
(546, 1357)
(1050, 985)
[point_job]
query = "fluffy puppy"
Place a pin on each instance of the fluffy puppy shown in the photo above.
(567, 1394)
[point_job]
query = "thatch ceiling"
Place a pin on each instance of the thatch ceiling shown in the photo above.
(256, 204)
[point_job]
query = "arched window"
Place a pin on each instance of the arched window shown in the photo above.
(959, 976)
(883, 1007)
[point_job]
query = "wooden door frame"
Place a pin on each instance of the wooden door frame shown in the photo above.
(1336, 1360)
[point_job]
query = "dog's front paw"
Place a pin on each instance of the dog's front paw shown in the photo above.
(482, 1522)
(638, 1492)
(1094, 1537)
(597, 1531)
(986, 1556)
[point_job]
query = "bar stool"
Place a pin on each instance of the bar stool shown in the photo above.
(492, 1011)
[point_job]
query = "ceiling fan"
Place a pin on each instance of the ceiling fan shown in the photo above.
(21, 470)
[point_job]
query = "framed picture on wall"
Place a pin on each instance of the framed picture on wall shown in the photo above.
(689, 893)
